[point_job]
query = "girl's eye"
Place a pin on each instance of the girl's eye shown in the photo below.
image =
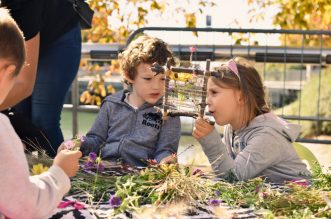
(213, 92)
(147, 79)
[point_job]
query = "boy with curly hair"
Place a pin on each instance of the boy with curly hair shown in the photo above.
(128, 127)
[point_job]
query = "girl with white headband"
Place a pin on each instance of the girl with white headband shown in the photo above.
(256, 142)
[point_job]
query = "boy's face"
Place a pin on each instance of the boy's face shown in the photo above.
(147, 87)
(7, 79)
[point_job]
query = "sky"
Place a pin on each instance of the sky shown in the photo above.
(227, 14)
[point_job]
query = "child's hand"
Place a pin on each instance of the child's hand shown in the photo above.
(201, 128)
(70, 145)
(169, 159)
(68, 161)
(61, 147)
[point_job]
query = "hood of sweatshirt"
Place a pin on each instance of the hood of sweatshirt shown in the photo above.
(119, 98)
(289, 130)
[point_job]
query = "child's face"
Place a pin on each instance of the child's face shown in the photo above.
(147, 87)
(224, 104)
(7, 79)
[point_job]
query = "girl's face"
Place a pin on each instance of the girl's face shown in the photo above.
(7, 80)
(224, 104)
(147, 87)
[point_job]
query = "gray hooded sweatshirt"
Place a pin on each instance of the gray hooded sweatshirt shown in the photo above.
(263, 148)
(134, 135)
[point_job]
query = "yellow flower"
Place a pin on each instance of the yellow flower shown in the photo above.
(38, 169)
(184, 77)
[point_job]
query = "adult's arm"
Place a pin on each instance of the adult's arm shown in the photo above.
(26, 79)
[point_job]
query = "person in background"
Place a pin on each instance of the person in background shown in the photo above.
(256, 142)
(24, 196)
(53, 44)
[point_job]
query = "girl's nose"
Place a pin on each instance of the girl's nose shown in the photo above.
(207, 100)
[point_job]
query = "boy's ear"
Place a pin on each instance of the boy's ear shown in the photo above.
(10, 69)
(8, 72)
(127, 78)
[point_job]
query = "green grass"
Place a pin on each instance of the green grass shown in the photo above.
(85, 121)
(309, 105)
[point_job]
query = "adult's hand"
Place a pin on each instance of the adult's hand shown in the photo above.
(25, 81)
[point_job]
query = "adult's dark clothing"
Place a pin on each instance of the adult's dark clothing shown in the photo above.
(58, 63)
(51, 18)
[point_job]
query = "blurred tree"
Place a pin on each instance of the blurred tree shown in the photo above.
(115, 20)
(297, 14)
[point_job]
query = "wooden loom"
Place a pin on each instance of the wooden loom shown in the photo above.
(185, 90)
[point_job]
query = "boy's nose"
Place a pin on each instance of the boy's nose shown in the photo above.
(156, 85)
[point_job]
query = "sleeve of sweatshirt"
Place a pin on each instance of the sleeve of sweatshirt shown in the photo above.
(24, 196)
(260, 152)
(168, 138)
(98, 134)
(217, 153)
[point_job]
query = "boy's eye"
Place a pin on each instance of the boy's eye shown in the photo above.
(147, 79)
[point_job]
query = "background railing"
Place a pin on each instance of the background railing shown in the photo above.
(284, 68)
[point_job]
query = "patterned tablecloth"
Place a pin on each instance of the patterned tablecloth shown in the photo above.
(103, 210)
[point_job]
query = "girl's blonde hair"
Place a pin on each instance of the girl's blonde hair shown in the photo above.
(249, 82)
(144, 49)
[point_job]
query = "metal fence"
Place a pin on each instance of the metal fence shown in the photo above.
(285, 68)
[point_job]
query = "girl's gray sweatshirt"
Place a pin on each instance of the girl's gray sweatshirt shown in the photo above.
(263, 148)
(134, 135)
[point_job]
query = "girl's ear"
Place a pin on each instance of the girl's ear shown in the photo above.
(240, 98)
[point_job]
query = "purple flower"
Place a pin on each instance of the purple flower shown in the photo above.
(217, 193)
(100, 167)
(92, 156)
(82, 138)
(114, 201)
(89, 165)
(170, 88)
(69, 144)
(214, 202)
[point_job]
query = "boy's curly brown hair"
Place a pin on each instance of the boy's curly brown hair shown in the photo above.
(144, 49)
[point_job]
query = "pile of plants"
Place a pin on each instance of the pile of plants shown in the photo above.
(129, 189)
(160, 186)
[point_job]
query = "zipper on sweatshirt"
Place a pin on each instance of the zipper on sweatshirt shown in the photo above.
(132, 128)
